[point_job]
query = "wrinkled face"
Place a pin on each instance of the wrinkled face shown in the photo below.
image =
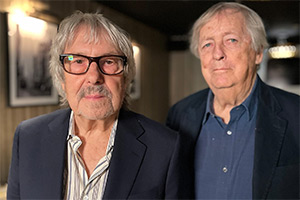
(93, 95)
(227, 59)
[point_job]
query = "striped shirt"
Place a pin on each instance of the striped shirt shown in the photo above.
(78, 185)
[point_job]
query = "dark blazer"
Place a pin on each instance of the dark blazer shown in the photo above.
(145, 162)
(276, 157)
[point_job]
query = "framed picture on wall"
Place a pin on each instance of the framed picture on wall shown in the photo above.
(29, 41)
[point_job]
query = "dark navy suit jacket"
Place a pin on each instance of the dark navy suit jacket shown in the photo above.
(145, 162)
(276, 156)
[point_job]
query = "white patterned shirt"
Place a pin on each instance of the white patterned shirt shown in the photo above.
(78, 185)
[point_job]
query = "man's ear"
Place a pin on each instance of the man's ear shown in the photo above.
(259, 56)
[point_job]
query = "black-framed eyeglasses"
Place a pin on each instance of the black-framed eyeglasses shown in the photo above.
(79, 64)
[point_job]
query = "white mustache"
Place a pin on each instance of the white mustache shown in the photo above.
(98, 89)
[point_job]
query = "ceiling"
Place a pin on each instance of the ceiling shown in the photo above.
(175, 18)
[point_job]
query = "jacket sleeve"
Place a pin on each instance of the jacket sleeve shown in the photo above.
(173, 179)
(179, 179)
(13, 188)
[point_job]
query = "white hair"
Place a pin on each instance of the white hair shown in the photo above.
(254, 25)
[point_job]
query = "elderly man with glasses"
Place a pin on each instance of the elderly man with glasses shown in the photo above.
(96, 148)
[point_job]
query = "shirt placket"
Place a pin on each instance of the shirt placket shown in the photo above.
(222, 172)
(231, 136)
(88, 188)
(100, 169)
(76, 143)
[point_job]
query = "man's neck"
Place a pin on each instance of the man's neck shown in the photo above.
(227, 98)
(84, 125)
(94, 135)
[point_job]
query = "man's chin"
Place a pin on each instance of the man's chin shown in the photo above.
(97, 114)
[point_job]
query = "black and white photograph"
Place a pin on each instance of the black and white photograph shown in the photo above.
(29, 41)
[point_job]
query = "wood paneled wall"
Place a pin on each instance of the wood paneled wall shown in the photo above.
(10, 117)
(154, 72)
(184, 66)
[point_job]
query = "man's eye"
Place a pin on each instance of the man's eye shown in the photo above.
(109, 62)
(232, 40)
(207, 45)
(78, 61)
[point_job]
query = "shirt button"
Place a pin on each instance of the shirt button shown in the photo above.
(229, 132)
(85, 197)
(225, 169)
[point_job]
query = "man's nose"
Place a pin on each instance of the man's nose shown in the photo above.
(218, 52)
(94, 75)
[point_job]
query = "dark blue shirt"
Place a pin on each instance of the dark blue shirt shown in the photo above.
(224, 152)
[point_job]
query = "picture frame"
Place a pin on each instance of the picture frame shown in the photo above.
(135, 86)
(29, 42)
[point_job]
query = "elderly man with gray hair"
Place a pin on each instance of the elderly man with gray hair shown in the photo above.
(96, 148)
(243, 135)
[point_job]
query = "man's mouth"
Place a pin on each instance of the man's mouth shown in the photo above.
(94, 96)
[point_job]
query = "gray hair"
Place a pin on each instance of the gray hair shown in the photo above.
(254, 25)
(97, 24)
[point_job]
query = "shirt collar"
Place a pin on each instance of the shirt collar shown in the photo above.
(249, 104)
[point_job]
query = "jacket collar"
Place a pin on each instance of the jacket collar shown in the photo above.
(127, 157)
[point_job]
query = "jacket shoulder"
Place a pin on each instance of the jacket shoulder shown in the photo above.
(178, 111)
(284, 96)
(43, 120)
(285, 102)
(192, 100)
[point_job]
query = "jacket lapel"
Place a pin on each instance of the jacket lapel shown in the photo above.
(270, 131)
(192, 121)
(127, 157)
(190, 127)
(54, 150)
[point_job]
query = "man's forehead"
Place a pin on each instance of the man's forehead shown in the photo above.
(88, 35)
(227, 20)
(231, 15)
